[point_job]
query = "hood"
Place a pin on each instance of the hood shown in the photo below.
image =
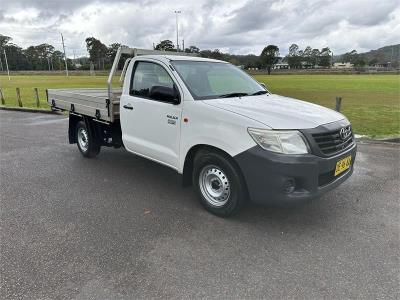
(278, 112)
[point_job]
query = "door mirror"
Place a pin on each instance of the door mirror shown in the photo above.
(164, 93)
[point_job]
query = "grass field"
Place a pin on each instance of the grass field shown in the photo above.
(371, 102)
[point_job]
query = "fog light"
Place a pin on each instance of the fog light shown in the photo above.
(289, 186)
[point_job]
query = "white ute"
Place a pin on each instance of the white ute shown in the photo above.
(213, 123)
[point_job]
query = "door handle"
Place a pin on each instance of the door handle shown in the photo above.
(128, 106)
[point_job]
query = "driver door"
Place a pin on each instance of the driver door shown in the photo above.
(150, 127)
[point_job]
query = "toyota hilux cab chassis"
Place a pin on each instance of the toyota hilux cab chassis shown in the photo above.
(223, 131)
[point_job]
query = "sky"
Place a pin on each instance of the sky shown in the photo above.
(239, 27)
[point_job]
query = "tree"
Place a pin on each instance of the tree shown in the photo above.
(373, 61)
(359, 62)
(350, 57)
(269, 57)
(165, 45)
(40, 56)
(57, 58)
(315, 57)
(33, 58)
(4, 40)
(16, 57)
(217, 54)
(97, 51)
(307, 58)
(293, 58)
(44, 52)
(325, 57)
(293, 50)
(192, 49)
(112, 50)
(214, 54)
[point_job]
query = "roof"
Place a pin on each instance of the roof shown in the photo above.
(180, 57)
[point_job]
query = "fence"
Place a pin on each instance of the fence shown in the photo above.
(19, 98)
(338, 103)
(331, 71)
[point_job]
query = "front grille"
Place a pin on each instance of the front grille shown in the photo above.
(330, 142)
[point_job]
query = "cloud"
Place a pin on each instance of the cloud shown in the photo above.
(235, 26)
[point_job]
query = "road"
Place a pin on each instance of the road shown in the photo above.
(122, 227)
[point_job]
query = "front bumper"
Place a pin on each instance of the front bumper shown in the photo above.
(267, 174)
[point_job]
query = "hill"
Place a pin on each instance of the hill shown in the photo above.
(383, 55)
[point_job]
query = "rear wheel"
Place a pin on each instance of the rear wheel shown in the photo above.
(219, 183)
(87, 144)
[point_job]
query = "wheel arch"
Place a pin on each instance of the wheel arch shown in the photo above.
(189, 159)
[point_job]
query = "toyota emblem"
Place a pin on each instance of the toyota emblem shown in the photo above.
(345, 132)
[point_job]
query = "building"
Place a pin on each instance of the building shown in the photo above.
(382, 65)
(281, 66)
(340, 65)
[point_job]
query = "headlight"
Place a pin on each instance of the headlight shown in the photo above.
(281, 141)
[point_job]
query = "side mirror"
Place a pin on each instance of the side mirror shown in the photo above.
(164, 93)
(263, 85)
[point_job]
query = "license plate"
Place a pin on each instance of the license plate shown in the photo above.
(342, 165)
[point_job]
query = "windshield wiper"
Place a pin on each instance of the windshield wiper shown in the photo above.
(230, 95)
(262, 92)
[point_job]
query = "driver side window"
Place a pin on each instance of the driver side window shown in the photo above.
(148, 75)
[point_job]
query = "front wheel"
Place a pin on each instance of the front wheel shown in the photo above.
(86, 142)
(219, 183)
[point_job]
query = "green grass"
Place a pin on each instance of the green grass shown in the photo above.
(28, 82)
(371, 102)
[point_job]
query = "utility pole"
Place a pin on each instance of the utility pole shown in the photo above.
(65, 56)
(183, 45)
(8, 70)
(177, 30)
(391, 59)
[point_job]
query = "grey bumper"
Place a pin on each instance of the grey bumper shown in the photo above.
(267, 173)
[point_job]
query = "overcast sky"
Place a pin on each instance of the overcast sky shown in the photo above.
(239, 27)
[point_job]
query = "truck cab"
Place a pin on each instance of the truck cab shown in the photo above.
(228, 136)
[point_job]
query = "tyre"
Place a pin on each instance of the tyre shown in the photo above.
(87, 144)
(218, 183)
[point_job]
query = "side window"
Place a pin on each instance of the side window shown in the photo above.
(148, 75)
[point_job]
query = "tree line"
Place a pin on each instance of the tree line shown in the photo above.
(363, 59)
(101, 56)
(40, 57)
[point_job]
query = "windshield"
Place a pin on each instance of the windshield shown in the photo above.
(208, 80)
